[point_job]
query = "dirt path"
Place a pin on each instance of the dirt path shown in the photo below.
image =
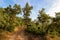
(17, 33)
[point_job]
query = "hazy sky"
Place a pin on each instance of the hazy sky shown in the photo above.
(51, 6)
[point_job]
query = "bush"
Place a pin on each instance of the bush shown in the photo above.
(10, 28)
(35, 29)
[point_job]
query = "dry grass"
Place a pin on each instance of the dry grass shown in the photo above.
(50, 37)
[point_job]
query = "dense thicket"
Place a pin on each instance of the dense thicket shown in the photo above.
(44, 25)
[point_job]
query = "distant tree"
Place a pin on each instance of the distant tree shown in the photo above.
(27, 10)
(57, 22)
(16, 9)
(43, 18)
(12, 12)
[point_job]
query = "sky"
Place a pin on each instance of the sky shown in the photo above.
(51, 6)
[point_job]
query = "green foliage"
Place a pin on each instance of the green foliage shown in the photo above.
(31, 28)
(42, 17)
(8, 19)
(10, 28)
(35, 29)
(44, 24)
(27, 10)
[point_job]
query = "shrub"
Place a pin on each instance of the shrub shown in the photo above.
(10, 28)
(35, 29)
